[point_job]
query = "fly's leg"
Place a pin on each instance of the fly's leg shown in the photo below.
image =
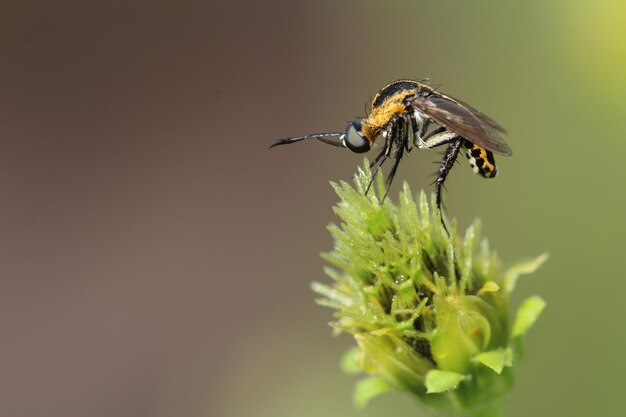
(411, 132)
(384, 153)
(379, 160)
(400, 145)
(444, 169)
(438, 137)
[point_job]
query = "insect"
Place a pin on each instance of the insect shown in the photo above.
(407, 114)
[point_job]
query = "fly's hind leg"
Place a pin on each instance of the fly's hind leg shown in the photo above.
(439, 136)
(452, 152)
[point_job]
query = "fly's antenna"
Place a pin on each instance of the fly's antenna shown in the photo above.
(319, 136)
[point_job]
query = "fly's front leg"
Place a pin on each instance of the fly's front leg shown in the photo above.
(384, 153)
(388, 136)
(399, 131)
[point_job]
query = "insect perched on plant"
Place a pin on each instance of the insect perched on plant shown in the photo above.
(409, 113)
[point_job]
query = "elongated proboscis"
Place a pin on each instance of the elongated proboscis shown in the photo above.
(319, 136)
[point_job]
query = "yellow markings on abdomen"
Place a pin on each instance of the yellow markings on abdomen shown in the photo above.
(481, 160)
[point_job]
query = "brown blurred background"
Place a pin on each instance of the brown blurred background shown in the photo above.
(156, 256)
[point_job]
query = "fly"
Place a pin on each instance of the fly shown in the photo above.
(407, 114)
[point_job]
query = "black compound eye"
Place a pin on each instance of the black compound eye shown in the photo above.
(354, 140)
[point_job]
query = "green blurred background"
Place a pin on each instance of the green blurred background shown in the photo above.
(157, 257)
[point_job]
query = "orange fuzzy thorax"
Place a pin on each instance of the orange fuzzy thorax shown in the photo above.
(382, 114)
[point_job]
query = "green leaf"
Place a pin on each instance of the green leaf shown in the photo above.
(331, 294)
(489, 286)
(522, 268)
(441, 381)
(349, 361)
(369, 388)
(527, 314)
(495, 359)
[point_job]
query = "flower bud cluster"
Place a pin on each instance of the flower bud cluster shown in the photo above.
(429, 312)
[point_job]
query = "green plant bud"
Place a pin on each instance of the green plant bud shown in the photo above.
(462, 332)
(429, 312)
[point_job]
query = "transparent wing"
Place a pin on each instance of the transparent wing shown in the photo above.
(464, 120)
(481, 116)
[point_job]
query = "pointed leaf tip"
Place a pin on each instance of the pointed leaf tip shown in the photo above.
(350, 361)
(489, 286)
(496, 360)
(527, 314)
(522, 268)
(440, 381)
(369, 388)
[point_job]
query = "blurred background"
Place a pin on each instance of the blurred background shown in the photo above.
(156, 256)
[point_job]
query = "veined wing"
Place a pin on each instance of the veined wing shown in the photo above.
(464, 120)
(482, 116)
